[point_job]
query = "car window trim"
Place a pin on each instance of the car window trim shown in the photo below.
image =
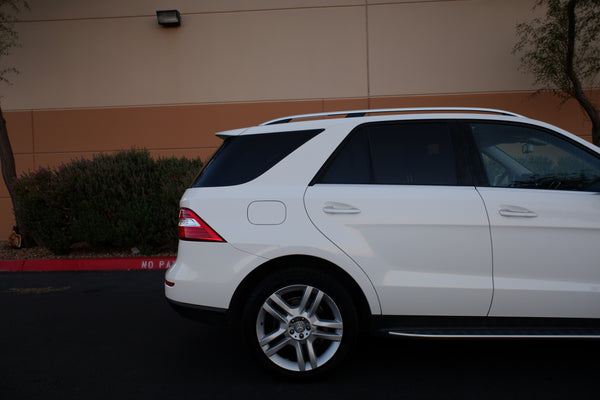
(477, 162)
(458, 140)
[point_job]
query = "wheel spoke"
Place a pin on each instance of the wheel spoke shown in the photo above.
(275, 313)
(322, 324)
(305, 298)
(316, 303)
(330, 336)
(273, 350)
(272, 336)
(311, 353)
(276, 298)
(300, 356)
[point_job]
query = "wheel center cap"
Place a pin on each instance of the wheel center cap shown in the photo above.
(299, 328)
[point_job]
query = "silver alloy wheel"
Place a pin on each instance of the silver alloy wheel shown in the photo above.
(299, 328)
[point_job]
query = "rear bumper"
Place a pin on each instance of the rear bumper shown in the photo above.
(206, 315)
(207, 273)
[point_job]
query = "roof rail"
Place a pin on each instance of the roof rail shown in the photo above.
(362, 113)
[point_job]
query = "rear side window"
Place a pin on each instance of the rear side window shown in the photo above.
(415, 153)
(241, 159)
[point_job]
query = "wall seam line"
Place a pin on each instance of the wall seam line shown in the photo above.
(367, 50)
(33, 140)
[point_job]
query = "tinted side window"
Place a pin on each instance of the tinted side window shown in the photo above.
(522, 156)
(415, 153)
(241, 159)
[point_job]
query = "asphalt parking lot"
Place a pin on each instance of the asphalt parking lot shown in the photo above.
(88, 335)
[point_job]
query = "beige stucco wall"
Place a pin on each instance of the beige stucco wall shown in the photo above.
(102, 76)
(444, 47)
(113, 53)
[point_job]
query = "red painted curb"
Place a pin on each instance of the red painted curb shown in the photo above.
(87, 264)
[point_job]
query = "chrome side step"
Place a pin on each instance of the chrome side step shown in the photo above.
(492, 335)
(486, 327)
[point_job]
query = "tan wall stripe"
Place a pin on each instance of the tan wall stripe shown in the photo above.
(42, 138)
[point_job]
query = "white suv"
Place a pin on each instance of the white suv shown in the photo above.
(437, 222)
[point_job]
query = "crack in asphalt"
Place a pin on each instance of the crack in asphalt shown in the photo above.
(37, 290)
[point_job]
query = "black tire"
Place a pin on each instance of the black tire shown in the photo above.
(300, 322)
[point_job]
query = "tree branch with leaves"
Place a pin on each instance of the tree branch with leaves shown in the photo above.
(562, 50)
(9, 39)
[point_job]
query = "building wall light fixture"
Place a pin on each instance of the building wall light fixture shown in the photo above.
(168, 18)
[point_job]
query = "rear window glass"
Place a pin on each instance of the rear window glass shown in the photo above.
(241, 159)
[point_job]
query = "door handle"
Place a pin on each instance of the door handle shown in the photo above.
(338, 208)
(522, 213)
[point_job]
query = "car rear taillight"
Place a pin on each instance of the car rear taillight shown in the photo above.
(191, 227)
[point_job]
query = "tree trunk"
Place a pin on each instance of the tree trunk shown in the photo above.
(578, 92)
(7, 161)
(596, 132)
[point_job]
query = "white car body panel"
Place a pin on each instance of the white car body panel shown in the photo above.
(426, 248)
(226, 210)
(547, 265)
(413, 250)
(302, 241)
(206, 274)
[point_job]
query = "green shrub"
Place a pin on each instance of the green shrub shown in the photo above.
(43, 213)
(122, 200)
